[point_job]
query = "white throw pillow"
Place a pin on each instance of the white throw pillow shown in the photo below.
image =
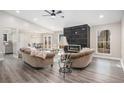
(33, 51)
(41, 54)
(84, 49)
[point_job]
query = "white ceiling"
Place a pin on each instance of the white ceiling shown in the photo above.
(71, 17)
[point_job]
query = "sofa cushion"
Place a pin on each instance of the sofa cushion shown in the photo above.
(33, 51)
(50, 55)
(84, 49)
(26, 50)
(41, 54)
(36, 53)
(82, 53)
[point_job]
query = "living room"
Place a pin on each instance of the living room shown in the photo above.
(39, 48)
(92, 39)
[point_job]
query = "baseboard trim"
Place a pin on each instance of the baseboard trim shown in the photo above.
(113, 58)
(122, 64)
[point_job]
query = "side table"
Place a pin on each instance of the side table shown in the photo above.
(65, 64)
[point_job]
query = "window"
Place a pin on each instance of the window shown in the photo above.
(45, 42)
(49, 40)
(103, 42)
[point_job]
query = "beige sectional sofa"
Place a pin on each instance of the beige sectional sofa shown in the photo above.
(82, 58)
(79, 60)
(36, 61)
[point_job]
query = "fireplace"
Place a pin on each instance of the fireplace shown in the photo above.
(72, 48)
(78, 35)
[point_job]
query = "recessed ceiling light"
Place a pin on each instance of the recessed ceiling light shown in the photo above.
(35, 19)
(17, 11)
(101, 16)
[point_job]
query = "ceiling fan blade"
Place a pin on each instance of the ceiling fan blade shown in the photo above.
(46, 15)
(47, 11)
(58, 12)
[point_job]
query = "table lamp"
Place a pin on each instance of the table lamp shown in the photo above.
(63, 42)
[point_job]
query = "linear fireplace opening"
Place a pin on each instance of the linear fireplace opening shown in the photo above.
(72, 48)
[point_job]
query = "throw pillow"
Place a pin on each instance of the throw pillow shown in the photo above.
(41, 54)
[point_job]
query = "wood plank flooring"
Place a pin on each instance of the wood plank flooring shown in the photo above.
(13, 70)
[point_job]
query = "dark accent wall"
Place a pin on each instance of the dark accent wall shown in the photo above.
(79, 35)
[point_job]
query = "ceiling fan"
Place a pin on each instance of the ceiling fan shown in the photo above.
(53, 13)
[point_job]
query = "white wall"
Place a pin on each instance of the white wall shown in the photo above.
(122, 41)
(115, 45)
(24, 30)
(29, 37)
(7, 20)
